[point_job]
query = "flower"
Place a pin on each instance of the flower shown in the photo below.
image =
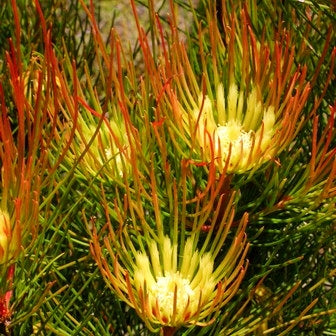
(96, 128)
(106, 147)
(237, 139)
(9, 242)
(175, 295)
(239, 101)
(178, 279)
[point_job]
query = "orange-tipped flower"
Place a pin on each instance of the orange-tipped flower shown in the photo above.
(171, 273)
(239, 101)
(170, 285)
(26, 130)
(172, 289)
(9, 238)
(106, 146)
(99, 136)
(239, 140)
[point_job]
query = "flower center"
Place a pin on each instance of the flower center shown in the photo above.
(108, 152)
(164, 292)
(232, 133)
(116, 156)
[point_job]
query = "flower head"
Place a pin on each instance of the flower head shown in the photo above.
(9, 238)
(175, 294)
(173, 276)
(237, 103)
(106, 146)
(171, 288)
(236, 140)
(97, 129)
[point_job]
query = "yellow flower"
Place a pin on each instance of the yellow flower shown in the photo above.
(175, 295)
(171, 281)
(108, 152)
(239, 102)
(9, 238)
(237, 141)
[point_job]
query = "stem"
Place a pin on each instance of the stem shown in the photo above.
(4, 329)
(168, 331)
